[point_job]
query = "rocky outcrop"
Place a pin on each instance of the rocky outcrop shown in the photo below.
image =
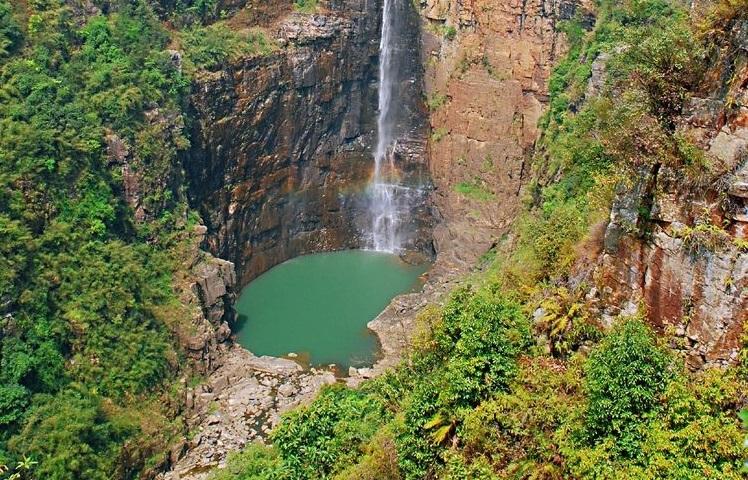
(206, 287)
(281, 144)
(239, 403)
(677, 244)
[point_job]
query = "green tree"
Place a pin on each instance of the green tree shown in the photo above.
(318, 440)
(10, 33)
(625, 378)
(74, 435)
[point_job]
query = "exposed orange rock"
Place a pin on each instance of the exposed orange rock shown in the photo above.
(487, 87)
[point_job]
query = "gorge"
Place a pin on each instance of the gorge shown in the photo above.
(517, 229)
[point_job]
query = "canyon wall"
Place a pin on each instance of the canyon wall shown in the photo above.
(282, 144)
(487, 69)
(678, 245)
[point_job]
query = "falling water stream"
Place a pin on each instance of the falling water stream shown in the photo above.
(317, 306)
(389, 200)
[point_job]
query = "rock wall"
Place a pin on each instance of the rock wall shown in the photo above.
(677, 243)
(487, 69)
(281, 149)
(690, 271)
(206, 287)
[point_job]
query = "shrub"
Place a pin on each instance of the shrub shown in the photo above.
(379, 461)
(305, 6)
(255, 462)
(436, 100)
(318, 440)
(547, 239)
(473, 354)
(744, 418)
(438, 134)
(208, 47)
(703, 237)
(625, 378)
(474, 190)
(480, 338)
(72, 436)
(10, 33)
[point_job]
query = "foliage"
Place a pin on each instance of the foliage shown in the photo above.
(255, 462)
(20, 471)
(305, 6)
(73, 436)
(694, 435)
(315, 441)
(565, 322)
(450, 32)
(625, 377)
(438, 134)
(185, 13)
(436, 100)
(744, 418)
(522, 429)
(379, 461)
(474, 190)
(10, 32)
(82, 283)
(208, 47)
(703, 237)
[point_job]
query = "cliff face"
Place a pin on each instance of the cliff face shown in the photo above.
(281, 149)
(487, 68)
(691, 270)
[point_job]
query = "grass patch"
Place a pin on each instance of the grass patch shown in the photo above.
(474, 190)
(305, 6)
(436, 100)
(438, 134)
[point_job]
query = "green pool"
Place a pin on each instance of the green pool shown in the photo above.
(317, 306)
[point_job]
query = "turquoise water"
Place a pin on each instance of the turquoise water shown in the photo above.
(317, 306)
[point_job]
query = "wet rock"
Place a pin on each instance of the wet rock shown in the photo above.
(281, 143)
(414, 257)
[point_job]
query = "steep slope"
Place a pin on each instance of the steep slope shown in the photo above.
(604, 337)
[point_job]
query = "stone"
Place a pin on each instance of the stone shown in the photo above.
(286, 390)
(738, 189)
(728, 146)
(597, 79)
(215, 280)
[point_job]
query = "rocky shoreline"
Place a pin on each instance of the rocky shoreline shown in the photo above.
(239, 403)
(244, 395)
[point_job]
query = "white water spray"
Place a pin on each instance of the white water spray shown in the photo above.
(388, 199)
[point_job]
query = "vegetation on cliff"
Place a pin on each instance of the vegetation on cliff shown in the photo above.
(516, 376)
(91, 212)
(513, 377)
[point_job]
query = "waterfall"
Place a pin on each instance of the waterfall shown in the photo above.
(389, 201)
